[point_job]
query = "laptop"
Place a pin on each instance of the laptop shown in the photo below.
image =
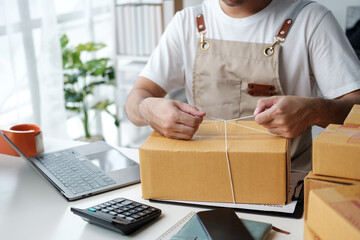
(83, 171)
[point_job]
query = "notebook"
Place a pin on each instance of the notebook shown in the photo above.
(83, 171)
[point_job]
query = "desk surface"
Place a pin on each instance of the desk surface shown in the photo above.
(31, 208)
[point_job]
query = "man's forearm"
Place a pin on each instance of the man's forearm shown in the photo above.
(135, 98)
(334, 111)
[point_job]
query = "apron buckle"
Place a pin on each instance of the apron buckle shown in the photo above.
(270, 50)
(204, 44)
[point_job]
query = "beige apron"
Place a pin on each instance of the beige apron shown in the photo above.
(230, 77)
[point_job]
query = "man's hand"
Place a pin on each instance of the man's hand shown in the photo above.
(172, 119)
(146, 105)
(287, 116)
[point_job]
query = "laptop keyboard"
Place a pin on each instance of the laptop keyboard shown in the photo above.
(75, 171)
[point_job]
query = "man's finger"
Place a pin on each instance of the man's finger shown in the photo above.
(270, 125)
(179, 131)
(276, 131)
(188, 130)
(264, 117)
(264, 103)
(189, 120)
(190, 109)
(182, 136)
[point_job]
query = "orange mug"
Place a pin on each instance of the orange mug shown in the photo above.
(27, 137)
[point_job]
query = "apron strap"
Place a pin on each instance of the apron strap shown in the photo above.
(200, 22)
(200, 19)
(284, 30)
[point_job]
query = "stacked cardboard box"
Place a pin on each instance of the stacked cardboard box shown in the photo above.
(336, 150)
(336, 163)
(198, 170)
(313, 181)
(308, 233)
(334, 213)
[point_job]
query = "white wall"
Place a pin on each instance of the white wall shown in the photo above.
(188, 3)
(339, 7)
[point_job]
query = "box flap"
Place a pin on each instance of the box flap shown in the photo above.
(209, 138)
(353, 119)
(339, 134)
(317, 177)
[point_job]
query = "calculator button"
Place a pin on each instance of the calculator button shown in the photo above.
(107, 204)
(102, 205)
(105, 210)
(121, 216)
(144, 207)
(138, 209)
(118, 200)
(97, 207)
(135, 216)
(126, 202)
(141, 214)
(146, 211)
(114, 206)
(119, 211)
(129, 219)
(127, 213)
(92, 209)
(125, 208)
(112, 202)
(110, 208)
(132, 211)
(136, 204)
(113, 213)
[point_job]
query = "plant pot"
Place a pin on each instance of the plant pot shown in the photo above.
(91, 139)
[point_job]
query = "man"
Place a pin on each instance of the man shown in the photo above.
(226, 57)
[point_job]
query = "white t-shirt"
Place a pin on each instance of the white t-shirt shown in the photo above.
(316, 58)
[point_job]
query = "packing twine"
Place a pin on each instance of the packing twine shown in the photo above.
(219, 128)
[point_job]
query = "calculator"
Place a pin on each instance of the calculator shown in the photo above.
(121, 215)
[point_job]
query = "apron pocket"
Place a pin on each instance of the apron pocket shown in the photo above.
(218, 97)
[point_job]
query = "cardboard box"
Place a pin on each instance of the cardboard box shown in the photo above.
(336, 152)
(197, 170)
(334, 213)
(313, 181)
(353, 119)
(308, 233)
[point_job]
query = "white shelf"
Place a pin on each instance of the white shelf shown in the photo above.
(127, 40)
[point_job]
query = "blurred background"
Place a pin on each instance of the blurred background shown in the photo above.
(68, 65)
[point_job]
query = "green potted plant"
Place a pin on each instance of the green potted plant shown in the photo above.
(82, 77)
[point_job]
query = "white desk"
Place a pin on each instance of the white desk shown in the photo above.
(31, 208)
